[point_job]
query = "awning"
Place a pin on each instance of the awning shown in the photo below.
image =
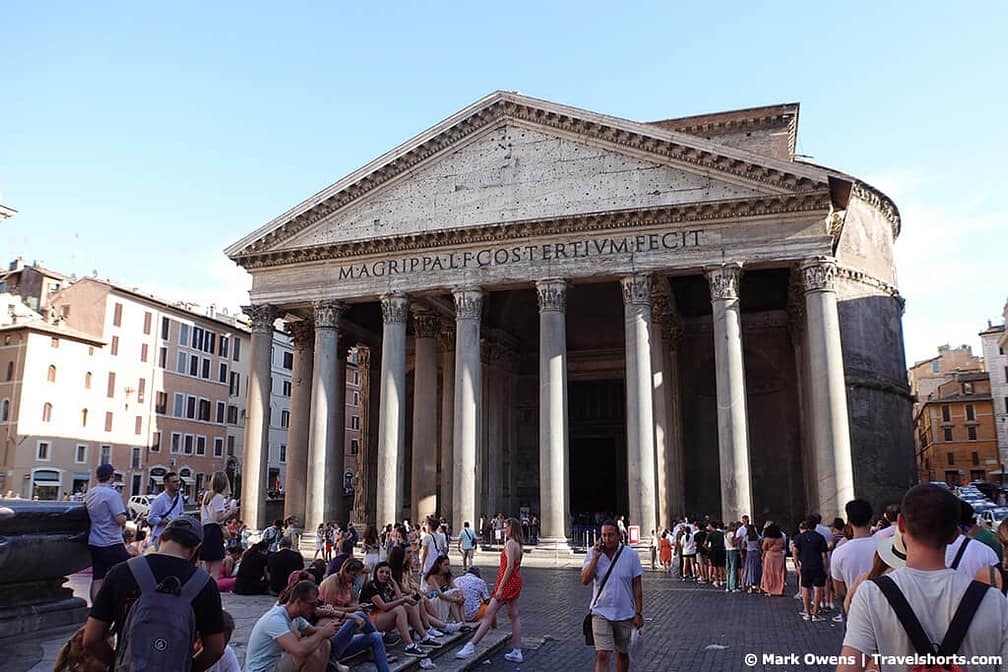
(82, 476)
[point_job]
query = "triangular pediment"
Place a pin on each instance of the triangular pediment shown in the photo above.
(509, 158)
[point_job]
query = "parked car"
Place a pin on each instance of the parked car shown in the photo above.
(993, 517)
(980, 507)
(139, 505)
(941, 484)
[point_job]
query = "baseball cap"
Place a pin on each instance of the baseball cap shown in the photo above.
(104, 472)
(187, 525)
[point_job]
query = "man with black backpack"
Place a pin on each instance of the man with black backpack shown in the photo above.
(156, 605)
(925, 608)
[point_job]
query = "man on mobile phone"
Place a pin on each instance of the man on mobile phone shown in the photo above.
(619, 606)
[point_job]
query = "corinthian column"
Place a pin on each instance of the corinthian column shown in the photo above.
(325, 434)
(733, 432)
(256, 449)
(831, 450)
(660, 392)
(425, 408)
(302, 333)
(640, 403)
(466, 435)
(554, 444)
(392, 421)
(447, 342)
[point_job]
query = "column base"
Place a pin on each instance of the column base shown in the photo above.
(554, 545)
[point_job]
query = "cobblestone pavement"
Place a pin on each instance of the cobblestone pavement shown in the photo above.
(694, 627)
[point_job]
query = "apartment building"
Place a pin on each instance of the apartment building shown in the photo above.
(33, 283)
(995, 345)
(955, 431)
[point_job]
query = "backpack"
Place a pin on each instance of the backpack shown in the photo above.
(922, 644)
(160, 628)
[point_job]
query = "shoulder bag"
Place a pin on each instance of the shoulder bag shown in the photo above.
(586, 625)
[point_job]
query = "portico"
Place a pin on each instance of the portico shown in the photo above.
(521, 247)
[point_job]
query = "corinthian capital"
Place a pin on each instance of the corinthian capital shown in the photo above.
(262, 316)
(724, 281)
(302, 332)
(327, 313)
(394, 309)
(425, 323)
(552, 296)
(447, 337)
(637, 289)
(819, 274)
(468, 303)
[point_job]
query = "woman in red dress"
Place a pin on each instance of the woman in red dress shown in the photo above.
(665, 552)
(506, 591)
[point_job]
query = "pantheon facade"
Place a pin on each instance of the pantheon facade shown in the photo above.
(572, 312)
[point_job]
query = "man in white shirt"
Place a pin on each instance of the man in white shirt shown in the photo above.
(853, 558)
(890, 514)
(619, 606)
(166, 507)
(432, 545)
(927, 523)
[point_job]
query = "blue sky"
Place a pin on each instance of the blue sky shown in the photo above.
(139, 142)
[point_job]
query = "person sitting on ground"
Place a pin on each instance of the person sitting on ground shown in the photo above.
(229, 661)
(253, 571)
(357, 633)
(317, 569)
(476, 594)
(345, 553)
(402, 574)
(927, 523)
(338, 589)
(394, 610)
(283, 639)
(229, 570)
(445, 598)
(282, 563)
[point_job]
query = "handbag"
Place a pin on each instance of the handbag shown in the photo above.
(586, 625)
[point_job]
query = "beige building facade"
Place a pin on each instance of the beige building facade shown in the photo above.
(558, 309)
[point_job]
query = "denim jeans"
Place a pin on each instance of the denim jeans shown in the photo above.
(733, 562)
(347, 642)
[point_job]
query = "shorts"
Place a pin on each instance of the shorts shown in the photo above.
(104, 558)
(467, 555)
(702, 559)
(611, 635)
(812, 579)
(717, 557)
(285, 664)
(482, 610)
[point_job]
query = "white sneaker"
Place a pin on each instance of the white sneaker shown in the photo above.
(514, 655)
(452, 628)
(467, 650)
(434, 632)
(797, 595)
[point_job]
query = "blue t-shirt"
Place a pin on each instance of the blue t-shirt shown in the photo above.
(104, 503)
(263, 650)
(467, 538)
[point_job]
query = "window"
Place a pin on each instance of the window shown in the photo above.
(285, 419)
(967, 388)
(42, 451)
(190, 407)
(356, 378)
(233, 387)
(47, 412)
(970, 412)
(232, 414)
(205, 373)
(222, 373)
(4, 410)
(236, 349)
(211, 341)
(946, 414)
(176, 442)
(204, 410)
(104, 454)
(193, 365)
(83, 417)
(80, 454)
(951, 459)
(283, 452)
(288, 360)
(162, 361)
(141, 390)
(218, 447)
(143, 352)
(230, 446)
(976, 458)
(936, 366)
(948, 433)
(51, 376)
(135, 458)
(10, 370)
(117, 315)
(354, 422)
(138, 425)
(223, 345)
(286, 388)
(110, 392)
(219, 415)
(1005, 370)
(187, 444)
(971, 433)
(108, 421)
(201, 445)
(160, 402)
(183, 359)
(87, 380)
(1006, 404)
(197, 338)
(354, 446)
(165, 327)
(356, 398)
(156, 443)
(115, 346)
(178, 408)
(183, 334)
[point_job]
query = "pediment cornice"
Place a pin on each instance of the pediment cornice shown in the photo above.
(667, 146)
(708, 212)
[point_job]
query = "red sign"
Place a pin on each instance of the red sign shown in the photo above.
(633, 534)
